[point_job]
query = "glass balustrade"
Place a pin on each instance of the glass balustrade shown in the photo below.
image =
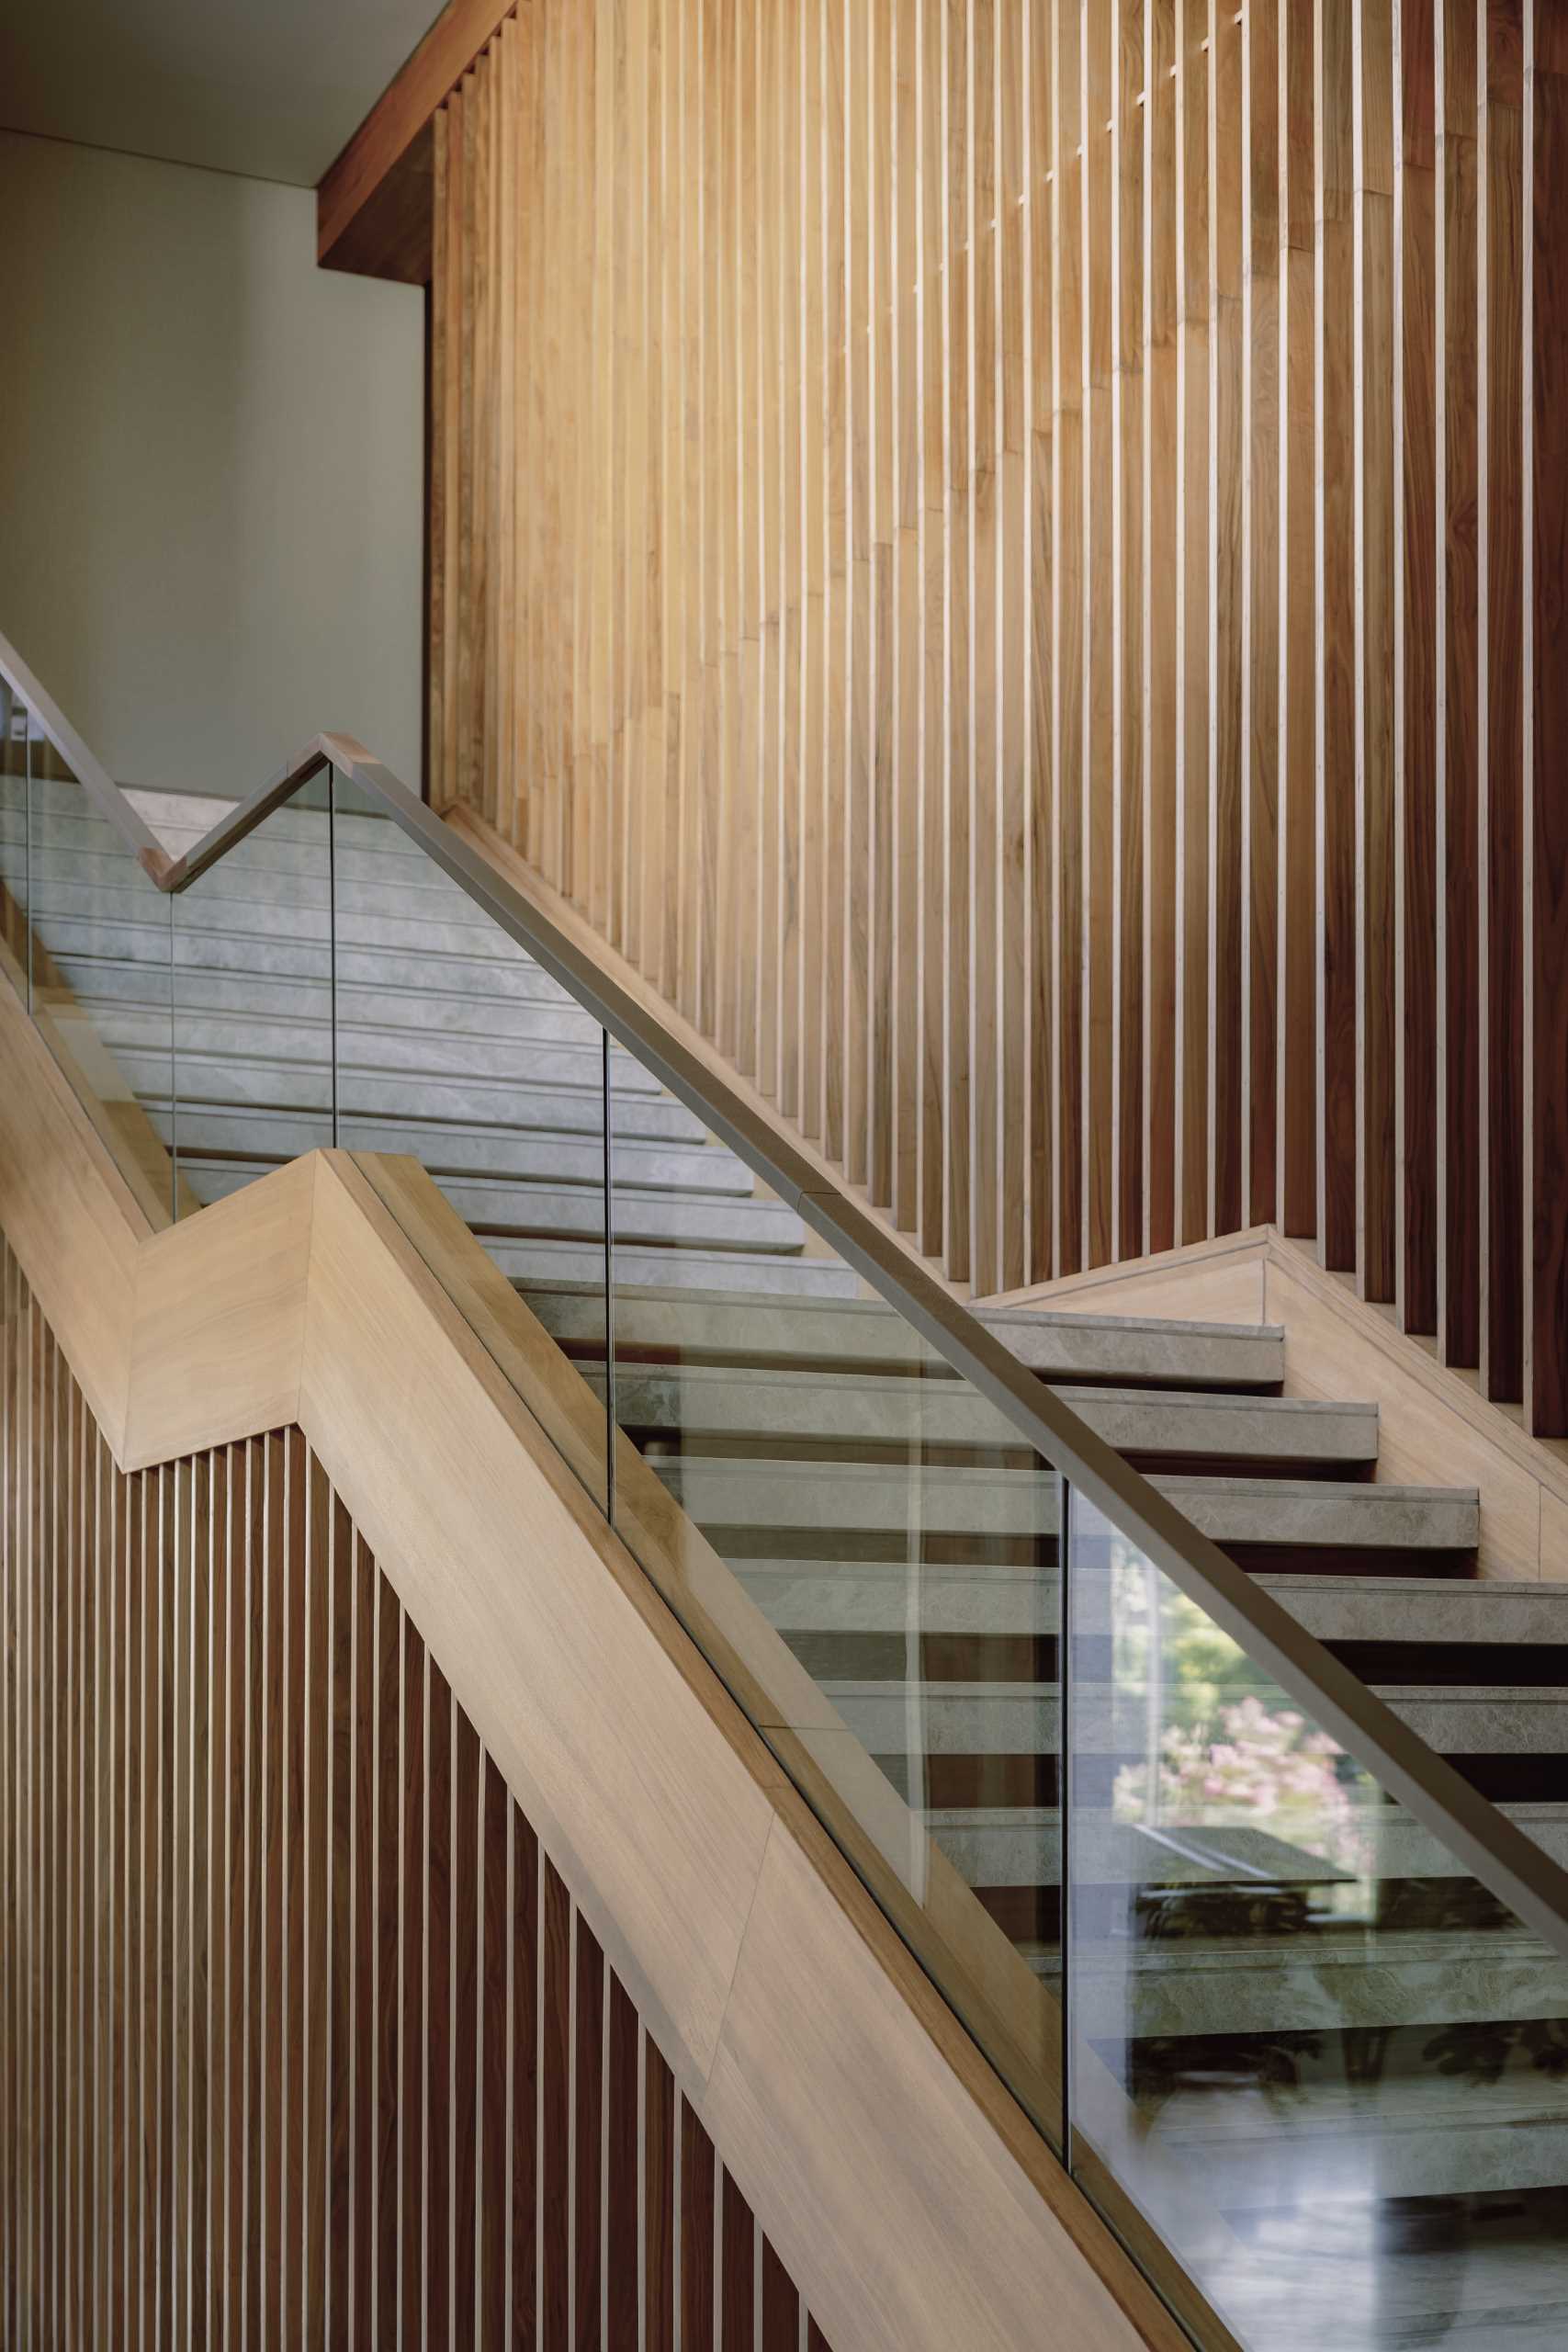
(15, 940)
(97, 951)
(253, 1005)
(1310, 2068)
(1311, 2056)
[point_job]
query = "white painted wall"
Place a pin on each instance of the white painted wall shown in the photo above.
(211, 469)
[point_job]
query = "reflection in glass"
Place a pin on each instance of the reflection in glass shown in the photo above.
(252, 1006)
(1327, 2065)
(867, 1550)
(13, 940)
(99, 943)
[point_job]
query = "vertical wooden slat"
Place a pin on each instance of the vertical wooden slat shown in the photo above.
(1161, 478)
(554, 2115)
(1193, 867)
(697, 2236)
(658, 2160)
(587, 2133)
(1298, 931)
(1459, 1098)
(411, 2209)
(1069, 1139)
(492, 2236)
(622, 2219)
(738, 2271)
(1334, 117)
(527, 2077)
(1375, 313)
(463, 2091)
(1500, 718)
(1262, 424)
(1129, 102)
(1417, 691)
(437, 2038)
(1101, 827)
(1226, 617)
(1546, 1227)
(298, 1966)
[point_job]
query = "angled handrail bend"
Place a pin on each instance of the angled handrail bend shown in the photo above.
(1494, 1849)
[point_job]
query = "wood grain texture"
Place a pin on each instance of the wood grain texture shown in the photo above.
(1055, 716)
(159, 2056)
(645, 1799)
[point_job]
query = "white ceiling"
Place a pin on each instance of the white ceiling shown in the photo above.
(268, 87)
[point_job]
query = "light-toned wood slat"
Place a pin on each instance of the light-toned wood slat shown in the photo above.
(1102, 796)
(1226, 472)
(1263, 416)
(996, 511)
(1196, 494)
(1070, 1142)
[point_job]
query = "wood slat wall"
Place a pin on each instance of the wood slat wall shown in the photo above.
(302, 2038)
(1009, 554)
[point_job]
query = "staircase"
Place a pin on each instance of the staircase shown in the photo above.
(1365, 2080)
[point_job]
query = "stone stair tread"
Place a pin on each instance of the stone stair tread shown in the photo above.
(987, 1716)
(1277, 1511)
(532, 1154)
(533, 1209)
(841, 1408)
(866, 1332)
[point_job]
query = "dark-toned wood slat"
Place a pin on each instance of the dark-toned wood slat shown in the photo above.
(1546, 610)
(1062, 712)
(280, 1996)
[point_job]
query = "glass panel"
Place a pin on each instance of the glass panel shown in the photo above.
(100, 938)
(13, 839)
(1309, 2053)
(457, 1049)
(252, 1005)
(865, 1549)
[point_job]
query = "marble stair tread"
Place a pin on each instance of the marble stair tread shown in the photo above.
(865, 1334)
(711, 1400)
(806, 1495)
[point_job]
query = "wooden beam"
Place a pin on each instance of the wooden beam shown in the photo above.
(373, 202)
